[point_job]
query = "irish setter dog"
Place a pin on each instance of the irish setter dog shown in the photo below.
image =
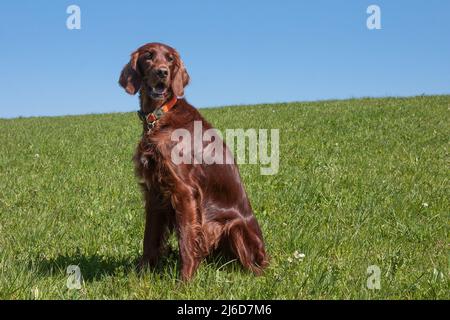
(206, 204)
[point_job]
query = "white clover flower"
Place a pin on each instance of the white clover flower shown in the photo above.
(425, 205)
(298, 255)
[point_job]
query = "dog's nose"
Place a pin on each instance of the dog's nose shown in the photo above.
(162, 72)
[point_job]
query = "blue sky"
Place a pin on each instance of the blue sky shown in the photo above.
(237, 52)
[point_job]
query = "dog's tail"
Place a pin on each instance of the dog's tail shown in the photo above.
(247, 243)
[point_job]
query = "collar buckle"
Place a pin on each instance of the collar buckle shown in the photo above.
(150, 119)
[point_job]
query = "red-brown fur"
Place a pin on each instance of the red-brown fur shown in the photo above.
(206, 205)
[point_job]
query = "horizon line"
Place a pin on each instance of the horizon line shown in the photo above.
(238, 105)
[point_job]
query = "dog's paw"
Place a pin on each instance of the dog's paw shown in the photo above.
(145, 263)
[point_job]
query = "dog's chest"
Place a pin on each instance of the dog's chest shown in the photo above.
(151, 167)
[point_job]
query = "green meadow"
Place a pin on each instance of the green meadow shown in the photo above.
(361, 182)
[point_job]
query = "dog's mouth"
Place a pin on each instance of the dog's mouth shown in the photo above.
(158, 92)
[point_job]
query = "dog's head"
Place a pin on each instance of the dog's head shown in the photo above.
(156, 68)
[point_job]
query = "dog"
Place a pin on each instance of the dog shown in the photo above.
(205, 204)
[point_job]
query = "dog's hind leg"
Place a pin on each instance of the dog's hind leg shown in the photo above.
(245, 239)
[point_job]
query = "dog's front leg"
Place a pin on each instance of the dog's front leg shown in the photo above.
(190, 236)
(156, 228)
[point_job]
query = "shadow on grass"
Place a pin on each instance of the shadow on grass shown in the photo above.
(92, 267)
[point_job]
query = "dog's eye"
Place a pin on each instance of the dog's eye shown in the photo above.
(148, 56)
(170, 58)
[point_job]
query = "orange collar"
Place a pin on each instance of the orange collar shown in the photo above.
(169, 105)
(150, 118)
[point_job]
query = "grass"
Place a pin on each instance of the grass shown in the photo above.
(361, 182)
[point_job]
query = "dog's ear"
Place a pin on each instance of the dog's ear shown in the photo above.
(130, 78)
(180, 78)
